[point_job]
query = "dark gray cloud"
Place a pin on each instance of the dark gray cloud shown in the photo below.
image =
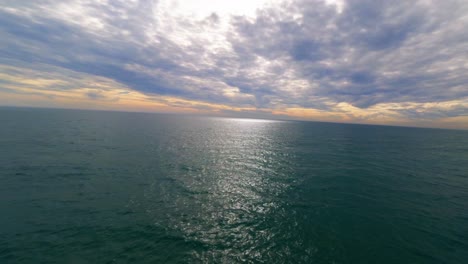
(372, 52)
(303, 53)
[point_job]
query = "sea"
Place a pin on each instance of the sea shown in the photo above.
(112, 187)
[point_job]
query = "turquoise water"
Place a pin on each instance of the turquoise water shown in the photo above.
(108, 187)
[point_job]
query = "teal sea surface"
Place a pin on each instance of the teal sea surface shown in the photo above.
(110, 187)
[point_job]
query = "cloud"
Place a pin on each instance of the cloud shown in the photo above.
(304, 57)
(372, 52)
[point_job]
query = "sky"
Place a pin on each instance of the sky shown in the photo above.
(357, 61)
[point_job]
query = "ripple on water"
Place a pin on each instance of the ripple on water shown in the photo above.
(174, 189)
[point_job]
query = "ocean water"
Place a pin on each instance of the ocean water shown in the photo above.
(108, 187)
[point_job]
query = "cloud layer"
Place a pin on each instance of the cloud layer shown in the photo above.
(355, 61)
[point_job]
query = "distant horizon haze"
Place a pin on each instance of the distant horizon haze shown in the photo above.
(233, 116)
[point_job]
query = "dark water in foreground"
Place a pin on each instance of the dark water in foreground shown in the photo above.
(99, 187)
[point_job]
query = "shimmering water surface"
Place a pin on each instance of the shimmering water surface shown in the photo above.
(103, 187)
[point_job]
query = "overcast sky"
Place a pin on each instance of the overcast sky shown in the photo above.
(364, 61)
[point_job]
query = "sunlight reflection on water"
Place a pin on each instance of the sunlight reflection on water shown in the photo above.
(233, 182)
(97, 187)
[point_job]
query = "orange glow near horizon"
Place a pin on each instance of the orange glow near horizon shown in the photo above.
(97, 93)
